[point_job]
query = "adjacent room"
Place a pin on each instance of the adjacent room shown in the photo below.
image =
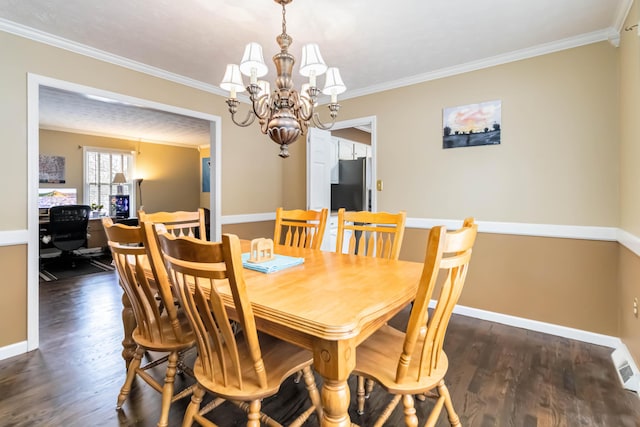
(439, 212)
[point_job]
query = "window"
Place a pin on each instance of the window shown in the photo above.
(100, 166)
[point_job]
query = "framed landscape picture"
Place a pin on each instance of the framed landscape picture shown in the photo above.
(472, 125)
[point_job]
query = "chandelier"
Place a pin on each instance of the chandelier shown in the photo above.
(285, 113)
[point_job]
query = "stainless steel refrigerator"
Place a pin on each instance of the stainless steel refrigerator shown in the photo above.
(351, 192)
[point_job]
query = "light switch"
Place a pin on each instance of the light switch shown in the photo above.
(379, 185)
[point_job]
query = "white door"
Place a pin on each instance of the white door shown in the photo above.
(318, 169)
(319, 165)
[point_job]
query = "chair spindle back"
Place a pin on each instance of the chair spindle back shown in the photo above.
(300, 228)
(197, 270)
(445, 267)
(373, 234)
(179, 223)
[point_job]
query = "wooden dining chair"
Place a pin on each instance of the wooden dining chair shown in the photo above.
(179, 223)
(413, 361)
(374, 234)
(300, 228)
(242, 368)
(155, 330)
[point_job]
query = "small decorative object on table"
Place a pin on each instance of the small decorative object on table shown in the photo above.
(261, 250)
(262, 258)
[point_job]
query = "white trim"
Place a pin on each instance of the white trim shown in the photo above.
(71, 46)
(34, 81)
(543, 49)
(215, 195)
(33, 226)
(534, 325)
(629, 241)
(538, 230)
(14, 237)
(13, 350)
(621, 14)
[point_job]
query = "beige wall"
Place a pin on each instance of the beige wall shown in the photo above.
(171, 182)
(251, 230)
(629, 129)
(558, 159)
(353, 134)
(13, 304)
(629, 268)
(629, 325)
(566, 282)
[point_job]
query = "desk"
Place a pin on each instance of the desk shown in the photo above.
(329, 305)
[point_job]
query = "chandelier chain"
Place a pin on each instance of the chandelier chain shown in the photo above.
(284, 19)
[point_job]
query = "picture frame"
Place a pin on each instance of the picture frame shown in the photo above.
(52, 169)
(472, 125)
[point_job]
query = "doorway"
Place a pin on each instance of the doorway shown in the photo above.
(35, 82)
(318, 160)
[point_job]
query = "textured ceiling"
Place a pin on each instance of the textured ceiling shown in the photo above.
(70, 111)
(376, 44)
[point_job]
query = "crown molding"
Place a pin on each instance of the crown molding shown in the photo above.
(543, 49)
(621, 15)
(71, 46)
(610, 34)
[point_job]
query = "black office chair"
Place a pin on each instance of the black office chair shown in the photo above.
(68, 228)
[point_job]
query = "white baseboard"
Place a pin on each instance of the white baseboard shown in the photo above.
(534, 325)
(13, 350)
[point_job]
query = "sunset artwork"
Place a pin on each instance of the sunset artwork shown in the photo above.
(472, 125)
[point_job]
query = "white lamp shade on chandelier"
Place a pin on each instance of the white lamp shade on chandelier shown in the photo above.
(285, 113)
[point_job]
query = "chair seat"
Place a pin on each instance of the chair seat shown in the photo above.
(280, 358)
(377, 358)
(170, 342)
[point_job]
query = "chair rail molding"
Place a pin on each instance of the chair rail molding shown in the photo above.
(14, 237)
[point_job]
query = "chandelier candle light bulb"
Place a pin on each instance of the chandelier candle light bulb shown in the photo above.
(285, 113)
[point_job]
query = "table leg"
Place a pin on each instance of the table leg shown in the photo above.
(334, 361)
(129, 324)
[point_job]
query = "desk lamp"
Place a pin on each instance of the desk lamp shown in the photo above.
(119, 179)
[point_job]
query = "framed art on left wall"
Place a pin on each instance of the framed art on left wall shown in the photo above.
(52, 169)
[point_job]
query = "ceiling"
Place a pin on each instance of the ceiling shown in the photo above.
(376, 44)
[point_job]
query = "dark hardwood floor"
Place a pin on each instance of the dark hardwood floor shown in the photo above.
(498, 375)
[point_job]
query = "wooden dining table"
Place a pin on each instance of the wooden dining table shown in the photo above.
(328, 304)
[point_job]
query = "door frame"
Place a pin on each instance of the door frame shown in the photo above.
(34, 81)
(370, 122)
